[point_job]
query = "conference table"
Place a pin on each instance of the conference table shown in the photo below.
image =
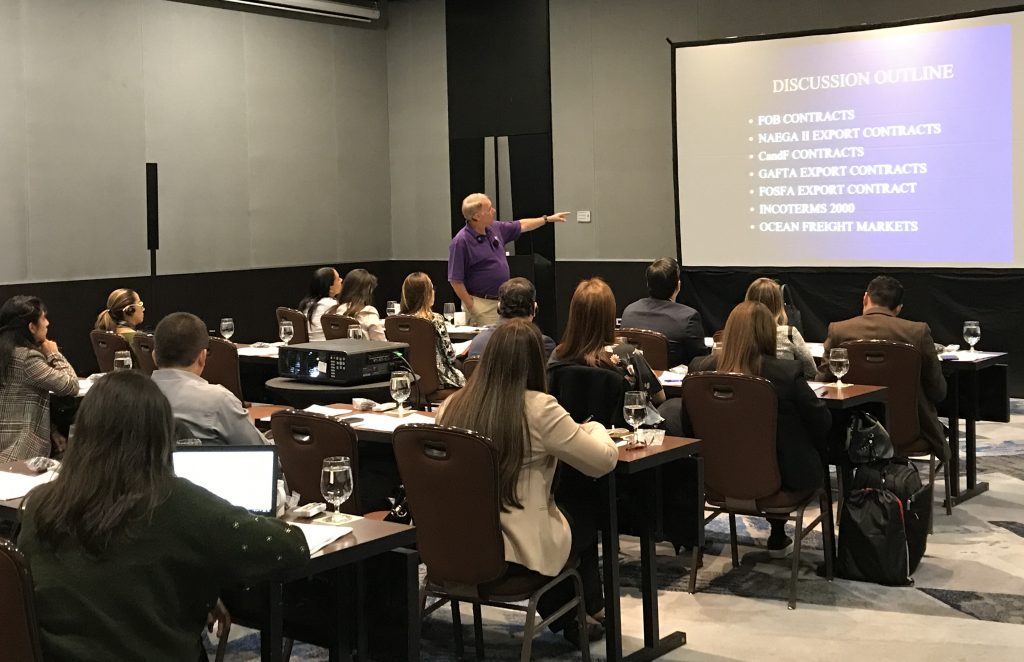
(632, 461)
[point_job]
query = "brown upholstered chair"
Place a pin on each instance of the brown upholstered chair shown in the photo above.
(897, 366)
(222, 366)
(300, 325)
(336, 326)
(451, 482)
(104, 344)
(18, 628)
(469, 366)
(654, 345)
(735, 417)
(143, 345)
(717, 335)
(421, 336)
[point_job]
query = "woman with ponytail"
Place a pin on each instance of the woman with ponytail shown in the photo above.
(123, 314)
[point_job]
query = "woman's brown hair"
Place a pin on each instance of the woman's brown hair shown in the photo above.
(117, 468)
(493, 402)
(591, 324)
(749, 336)
(356, 291)
(416, 295)
(768, 292)
(120, 306)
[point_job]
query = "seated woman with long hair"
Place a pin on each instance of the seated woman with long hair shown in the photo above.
(789, 344)
(356, 300)
(31, 367)
(127, 559)
(589, 339)
(506, 401)
(748, 348)
(326, 284)
(123, 314)
(418, 300)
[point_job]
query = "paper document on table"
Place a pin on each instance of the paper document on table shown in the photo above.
(319, 536)
(671, 378)
(817, 349)
(266, 352)
(15, 486)
(461, 347)
(464, 329)
(326, 411)
(385, 423)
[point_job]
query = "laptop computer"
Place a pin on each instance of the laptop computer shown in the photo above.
(245, 476)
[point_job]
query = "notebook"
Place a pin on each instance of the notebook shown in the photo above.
(245, 476)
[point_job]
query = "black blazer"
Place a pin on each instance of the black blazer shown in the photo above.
(803, 421)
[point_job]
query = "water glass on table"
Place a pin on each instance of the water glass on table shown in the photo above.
(227, 327)
(122, 360)
(838, 364)
(634, 408)
(401, 388)
(336, 483)
(355, 332)
(392, 308)
(285, 331)
(972, 333)
(449, 312)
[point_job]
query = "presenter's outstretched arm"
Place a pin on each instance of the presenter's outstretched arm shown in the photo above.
(527, 224)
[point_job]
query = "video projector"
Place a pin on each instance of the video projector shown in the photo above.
(341, 361)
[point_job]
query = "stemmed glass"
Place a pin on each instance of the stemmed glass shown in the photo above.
(634, 407)
(838, 364)
(972, 333)
(336, 483)
(449, 312)
(227, 328)
(122, 360)
(285, 331)
(355, 332)
(401, 389)
(392, 308)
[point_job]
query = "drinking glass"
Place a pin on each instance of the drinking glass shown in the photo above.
(838, 364)
(336, 483)
(227, 328)
(449, 312)
(392, 308)
(123, 360)
(285, 331)
(634, 407)
(972, 333)
(401, 388)
(355, 332)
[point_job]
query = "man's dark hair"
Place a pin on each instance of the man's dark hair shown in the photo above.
(885, 291)
(662, 277)
(178, 340)
(516, 297)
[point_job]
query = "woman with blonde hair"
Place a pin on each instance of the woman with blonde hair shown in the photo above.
(356, 300)
(789, 344)
(418, 301)
(506, 401)
(123, 314)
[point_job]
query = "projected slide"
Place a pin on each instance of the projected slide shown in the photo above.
(875, 148)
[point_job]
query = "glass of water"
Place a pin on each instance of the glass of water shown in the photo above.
(401, 388)
(972, 333)
(392, 308)
(285, 331)
(634, 407)
(336, 483)
(838, 364)
(123, 360)
(355, 332)
(227, 327)
(449, 312)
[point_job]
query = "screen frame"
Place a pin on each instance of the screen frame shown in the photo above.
(218, 448)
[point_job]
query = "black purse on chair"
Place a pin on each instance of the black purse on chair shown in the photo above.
(867, 439)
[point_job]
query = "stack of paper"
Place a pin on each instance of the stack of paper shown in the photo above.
(266, 352)
(16, 486)
(319, 536)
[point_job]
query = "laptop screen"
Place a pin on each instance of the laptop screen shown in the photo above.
(245, 476)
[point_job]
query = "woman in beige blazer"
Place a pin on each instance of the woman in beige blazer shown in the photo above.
(511, 379)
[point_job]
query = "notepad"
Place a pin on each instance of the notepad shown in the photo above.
(319, 536)
(16, 486)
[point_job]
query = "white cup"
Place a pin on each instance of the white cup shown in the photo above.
(460, 318)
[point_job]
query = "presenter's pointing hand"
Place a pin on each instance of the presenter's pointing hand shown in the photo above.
(558, 218)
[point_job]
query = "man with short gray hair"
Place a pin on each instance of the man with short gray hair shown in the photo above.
(516, 298)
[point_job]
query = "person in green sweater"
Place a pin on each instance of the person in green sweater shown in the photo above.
(127, 559)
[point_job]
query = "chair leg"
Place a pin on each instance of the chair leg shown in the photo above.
(732, 541)
(581, 617)
(828, 533)
(478, 631)
(460, 650)
(694, 562)
(798, 525)
(949, 489)
(289, 643)
(529, 630)
(931, 481)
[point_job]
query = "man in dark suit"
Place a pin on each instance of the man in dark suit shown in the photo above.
(659, 312)
(880, 320)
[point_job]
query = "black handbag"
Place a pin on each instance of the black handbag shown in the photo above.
(793, 313)
(399, 512)
(867, 439)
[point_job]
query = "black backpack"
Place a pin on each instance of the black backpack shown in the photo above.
(900, 476)
(873, 539)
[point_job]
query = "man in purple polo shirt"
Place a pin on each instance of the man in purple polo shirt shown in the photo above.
(477, 265)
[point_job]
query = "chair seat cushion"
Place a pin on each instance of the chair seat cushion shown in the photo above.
(782, 501)
(518, 583)
(919, 446)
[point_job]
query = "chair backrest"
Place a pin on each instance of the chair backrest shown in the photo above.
(18, 628)
(897, 366)
(735, 416)
(654, 345)
(336, 326)
(451, 483)
(222, 366)
(585, 391)
(469, 366)
(717, 335)
(303, 440)
(104, 344)
(300, 325)
(143, 345)
(421, 336)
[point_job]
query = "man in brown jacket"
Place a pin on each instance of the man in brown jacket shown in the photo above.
(880, 320)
